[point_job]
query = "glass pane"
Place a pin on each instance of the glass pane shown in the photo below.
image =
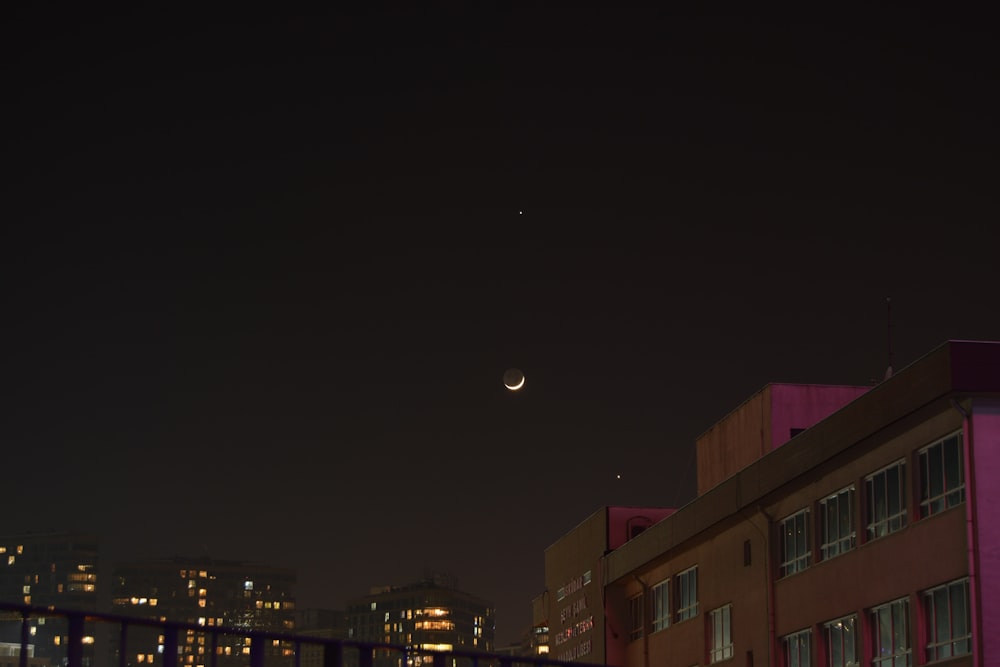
(942, 628)
(850, 657)
(884, 631)
(879, 504)
(899, 627)
(892, 490)
(845, 506)
(835, 640)
(924, 495)
(935, 471)
(959, 610)
(952, 463)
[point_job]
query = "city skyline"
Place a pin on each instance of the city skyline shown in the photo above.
(265, 272)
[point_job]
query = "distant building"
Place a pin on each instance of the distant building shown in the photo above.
(870, 537)
(49, 569)
(322, 624)
(201, 591)
(429, 615)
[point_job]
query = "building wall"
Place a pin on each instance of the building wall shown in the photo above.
(764, 422)
(954, 390)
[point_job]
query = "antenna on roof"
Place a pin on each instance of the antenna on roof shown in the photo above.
(888, 322)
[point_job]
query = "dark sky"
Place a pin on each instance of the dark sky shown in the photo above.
(263, 273)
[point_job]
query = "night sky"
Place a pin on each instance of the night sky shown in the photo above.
(263, 273)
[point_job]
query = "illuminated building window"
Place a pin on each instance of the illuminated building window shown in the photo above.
(836, 516)
(202, 592)
(201, 602)
(57, 640)
(184, 574)
(259, 604)
(661, 605)
(635, 617)
(3, 550)
(20, 549)
(885, 493)
(942, 475)
(891, 634)
(27, 599)
(246, 650)
(949, 632)
(202, 573)
(687, 594)
(795, 552)
(796, 647)
(248, 585)
(141, 657)
(10, 560)
(720, 626)
(26, 589)
(192, 583)
(87, 639)
(840, 637)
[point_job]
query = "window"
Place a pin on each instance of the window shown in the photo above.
(661, 605)
(635, 617)
(720, 630)
(942, 476)
(687, 594)
(886, 500)
(891, 635)
(796, 649)
(836, 515)
(795, 552)
(946, 611)
(840, 637)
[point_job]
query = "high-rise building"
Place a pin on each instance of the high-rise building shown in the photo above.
(429, 615)
(205, 592)
(49, 570)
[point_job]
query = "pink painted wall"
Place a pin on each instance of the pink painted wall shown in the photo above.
(984, 513)
(799, 406)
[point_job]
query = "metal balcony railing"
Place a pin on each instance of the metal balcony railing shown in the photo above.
(260, 648)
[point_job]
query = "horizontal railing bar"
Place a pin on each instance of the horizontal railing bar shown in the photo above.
(504, 659)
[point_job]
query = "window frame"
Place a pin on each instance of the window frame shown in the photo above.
(720, 635)
(660, 605)
(687, 605)
(832, 546)
(935, 648)
(635, 617)
(794, 639)
(899, 611)
(926, 502)
(829, 641)
(875, 526)
(801, 560)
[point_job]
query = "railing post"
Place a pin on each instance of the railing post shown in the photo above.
(214, 659)
(333, 654)
(123, 645)
(25, 638)
(169, 646)
(257, 650)
(74, 651)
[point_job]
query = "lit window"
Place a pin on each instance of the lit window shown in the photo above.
(891, 634)
(721, 643)
(373, 606)
(795, 552)
(687, 594)
(841, 642)
(248, 585)
(10, 560)
(836, 514)
(946, 611)
(796, 649)
(26, 589)
(635, 617)
(661, 605)
(942, 476)
(885, 493)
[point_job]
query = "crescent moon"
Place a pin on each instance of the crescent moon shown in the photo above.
(516, 386)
